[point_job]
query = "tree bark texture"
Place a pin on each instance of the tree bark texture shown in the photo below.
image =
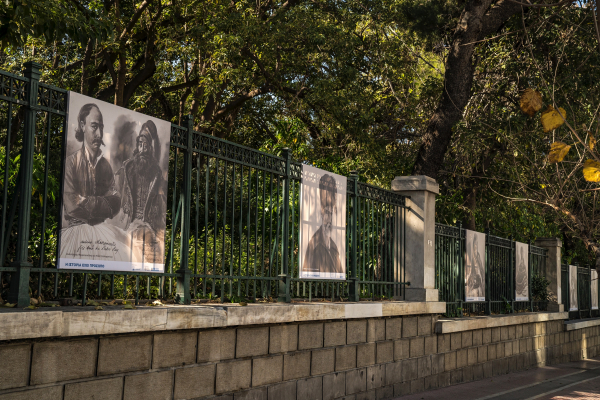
(478, 19)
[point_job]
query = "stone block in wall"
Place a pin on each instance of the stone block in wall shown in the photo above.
(522, 345)
(311, 388)
(417, 347)
(477, 337)
(323, 361)
(410, 369)
(99, 389)
(252, 342)
(486, 336)
(450, 361)
(468, 373)
(345, 358)
(430, 345)
(266, 370)
(386, 392)
(150, 386)
(385, 352)
(477, 372)
(356, 331)
(310, 336)
(512, 332)
(393, 373)
(335, 333)
(467, 339)
(488, 369)
(472, 355)
(63, 360)
(462, 358)
(515, 346)
(393, 328)
(430, 382)
(443, 342)
(444, 379)
(424, 366)
(455, 341)
(174, 349)
(252, 394)
(233, 375)
(370, 395)
(500, 350)
(283, 338)
(124, 354)
(356, 381)
(375, 330)
(334, 386)
(456, 376)
(409, 327)
(14, 369)
(504, 333)
(375, 376)
(216, 345)
(482, 354)
(437, 364)
(296, 365)
(425, 327)
(518, 331)
(282, 391)
(417, 385)
(401, 349)
(508, 349)
(365, 354)
(47, 393)
(194, 382)
(512, 364)
(496, 334)
(401, 389)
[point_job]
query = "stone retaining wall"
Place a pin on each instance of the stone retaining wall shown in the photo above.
(354, 359)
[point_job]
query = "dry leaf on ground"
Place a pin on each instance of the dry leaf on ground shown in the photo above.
(531, 102)
(551, 119)
(558, 151)
(591, 171)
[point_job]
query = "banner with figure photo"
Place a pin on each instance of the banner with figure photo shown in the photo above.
(573, 306)
(594, 284)
(522, 272)
(322, 224)
(475, 266)
(114, 188)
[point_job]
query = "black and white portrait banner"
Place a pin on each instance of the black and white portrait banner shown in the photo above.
(114, 188)
(522, 272)
(594, 284)
(573, 306)
(475, 266)
(322, 224)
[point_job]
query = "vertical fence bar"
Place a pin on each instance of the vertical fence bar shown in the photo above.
(285, 278)
(19, 288)
(354, 294)
(183, 277)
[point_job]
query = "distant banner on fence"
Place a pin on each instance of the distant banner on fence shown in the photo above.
(475, 266)
(522, 272)
(322, 224)
(114, 188)
(573, 306)
(594, 285)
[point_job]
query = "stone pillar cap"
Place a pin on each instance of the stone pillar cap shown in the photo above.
(548, 242)
(415, 183)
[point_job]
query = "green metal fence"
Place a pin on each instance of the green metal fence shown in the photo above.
(584, 292)
(500, 256)
(232, 219)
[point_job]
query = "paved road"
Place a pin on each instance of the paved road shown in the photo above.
(573, 381)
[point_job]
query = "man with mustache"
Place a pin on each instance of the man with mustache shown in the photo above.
(89, 193)
(322, 254)
(143, 200)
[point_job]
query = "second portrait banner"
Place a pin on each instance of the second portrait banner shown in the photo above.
(322, 224)
(522, 272)
(475, 266)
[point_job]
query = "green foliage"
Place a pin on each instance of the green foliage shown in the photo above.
(539, 288)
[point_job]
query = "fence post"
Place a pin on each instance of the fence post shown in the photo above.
(488, 305)
(420, 235)
(461, 269)
(183, 277)
(284, 277)
(552, 271)
(354, 287)
(19, 284)
(513, 271)
(529, 293)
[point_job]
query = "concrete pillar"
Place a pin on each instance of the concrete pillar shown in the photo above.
(420, 235)
(553, 245)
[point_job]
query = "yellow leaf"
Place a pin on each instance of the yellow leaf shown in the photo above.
(551, 119)
(591, 171)
(592, 142)
(98, 308)
(531, 102)
(129, 307)
(558, 151)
